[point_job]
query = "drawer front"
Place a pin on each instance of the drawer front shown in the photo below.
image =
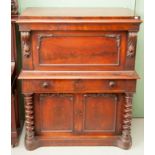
(77, 51)
(45, 86)
(78, 86)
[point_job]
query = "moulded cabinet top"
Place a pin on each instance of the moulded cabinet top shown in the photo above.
(78, 19)
(78, 13)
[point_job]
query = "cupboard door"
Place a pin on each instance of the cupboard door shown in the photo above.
(100, 113)
(54, 113)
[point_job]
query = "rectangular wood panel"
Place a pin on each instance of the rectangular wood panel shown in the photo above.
(56, 112)
(78, 50)
(100, 112)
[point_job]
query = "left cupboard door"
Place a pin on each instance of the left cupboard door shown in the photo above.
(54, 114)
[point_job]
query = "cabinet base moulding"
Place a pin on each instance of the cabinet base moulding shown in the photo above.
(93, 141)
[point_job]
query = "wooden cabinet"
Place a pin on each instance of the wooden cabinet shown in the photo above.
(78, 75)
(16, 118)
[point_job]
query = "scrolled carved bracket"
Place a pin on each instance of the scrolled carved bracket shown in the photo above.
(132, 40)
(25, 37)
(14, 7)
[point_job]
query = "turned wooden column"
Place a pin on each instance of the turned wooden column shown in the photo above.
(29, 117)
(127, 118)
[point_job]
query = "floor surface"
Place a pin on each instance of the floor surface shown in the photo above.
(136, 149)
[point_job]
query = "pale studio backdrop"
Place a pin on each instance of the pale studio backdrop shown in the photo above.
(138, 102)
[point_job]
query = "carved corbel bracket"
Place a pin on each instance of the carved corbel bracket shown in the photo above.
(132, 40)
(14, 7)
(25, 37)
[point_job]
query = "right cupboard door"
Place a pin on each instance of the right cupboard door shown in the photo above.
(102, 113)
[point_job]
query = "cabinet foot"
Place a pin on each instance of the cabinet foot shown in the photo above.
(31, 145)
(14, 144)
(125, 143)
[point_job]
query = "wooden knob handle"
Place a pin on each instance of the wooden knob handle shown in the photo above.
(112, 83)
(45, 85)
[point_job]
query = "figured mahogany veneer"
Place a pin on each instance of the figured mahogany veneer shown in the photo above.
(78, 75)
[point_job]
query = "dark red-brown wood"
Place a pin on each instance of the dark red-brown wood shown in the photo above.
(78, 75)
(16, 120)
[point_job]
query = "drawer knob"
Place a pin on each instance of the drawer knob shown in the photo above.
(45, 85)
(112, 83)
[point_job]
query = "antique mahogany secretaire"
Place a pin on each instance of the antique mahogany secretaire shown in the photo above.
(78, 75)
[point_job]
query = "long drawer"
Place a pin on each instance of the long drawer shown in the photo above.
(78, 86)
